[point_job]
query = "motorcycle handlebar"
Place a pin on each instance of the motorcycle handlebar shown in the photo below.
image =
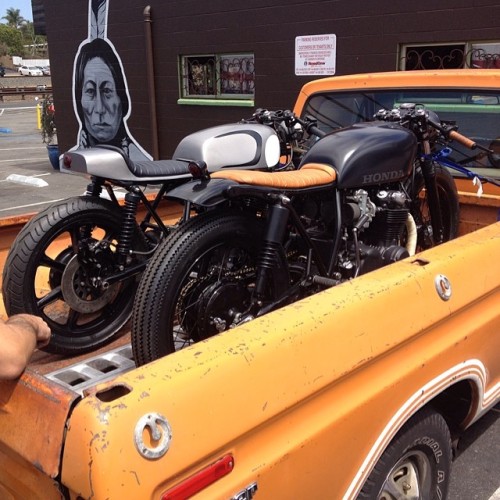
(451, 133)
(314, 130)
(310, 126)
(287, 117)
(465, 141)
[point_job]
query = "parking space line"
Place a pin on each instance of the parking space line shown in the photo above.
(22, 149)
(24, 159)
(31, 205)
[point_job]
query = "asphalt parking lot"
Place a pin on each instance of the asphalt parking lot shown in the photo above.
(28, 183)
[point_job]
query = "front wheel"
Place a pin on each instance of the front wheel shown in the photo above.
(448, 202)
(416, 465)
(55, 267)
(198, 283)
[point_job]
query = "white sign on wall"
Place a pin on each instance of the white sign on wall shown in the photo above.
(315, 55)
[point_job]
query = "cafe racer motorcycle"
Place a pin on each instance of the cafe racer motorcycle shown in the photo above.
(363, 197)
(85, 290)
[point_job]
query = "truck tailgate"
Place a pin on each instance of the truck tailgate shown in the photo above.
(35, 412)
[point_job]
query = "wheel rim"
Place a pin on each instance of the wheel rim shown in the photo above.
(214, 291)
(409, 479)
(58, 290)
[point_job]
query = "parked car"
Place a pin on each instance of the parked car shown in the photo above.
(45, 70)
(30, 71)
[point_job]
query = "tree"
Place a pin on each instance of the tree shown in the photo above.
(35, 42)
(13, 39)
(14, 18)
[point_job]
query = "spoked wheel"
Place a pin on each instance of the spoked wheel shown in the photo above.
(417, 463)
(198, 284)
(63, 282)
(448, 201)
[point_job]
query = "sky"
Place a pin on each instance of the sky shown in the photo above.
(23, 5)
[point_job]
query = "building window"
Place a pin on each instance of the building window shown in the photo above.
(449, 56)
(218, 77)
(485, 55)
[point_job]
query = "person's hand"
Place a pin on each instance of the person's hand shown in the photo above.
(40, 328)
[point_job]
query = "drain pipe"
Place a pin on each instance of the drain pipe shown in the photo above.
(151, 81)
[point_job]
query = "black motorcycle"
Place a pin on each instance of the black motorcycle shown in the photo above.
(85, 289)
(364, 197)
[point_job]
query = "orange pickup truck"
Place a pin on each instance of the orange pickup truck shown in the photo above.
(360, 391)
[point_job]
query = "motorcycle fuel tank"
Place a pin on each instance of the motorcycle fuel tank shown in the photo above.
(237, 145)
(366, 154)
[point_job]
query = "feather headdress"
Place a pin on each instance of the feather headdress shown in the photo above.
(98, 16)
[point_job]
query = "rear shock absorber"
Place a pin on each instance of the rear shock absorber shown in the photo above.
(128, 225)
(275, 232)
(95, 187)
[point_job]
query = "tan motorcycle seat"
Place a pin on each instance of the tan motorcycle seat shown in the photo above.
(310, 175)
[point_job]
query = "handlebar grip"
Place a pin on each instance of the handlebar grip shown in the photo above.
(468, 143)
(313, 129)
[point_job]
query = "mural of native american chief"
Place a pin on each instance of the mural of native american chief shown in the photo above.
(100, 93)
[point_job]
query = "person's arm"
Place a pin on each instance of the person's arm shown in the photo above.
(19, 336)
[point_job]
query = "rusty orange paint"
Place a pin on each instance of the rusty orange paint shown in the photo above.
(46, 407)
(299, 383)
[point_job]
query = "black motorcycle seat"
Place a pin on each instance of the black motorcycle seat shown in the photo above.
(158, 168)
(310, 175)
(151, 168)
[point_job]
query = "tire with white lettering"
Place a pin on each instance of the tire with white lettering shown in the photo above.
(416, 464)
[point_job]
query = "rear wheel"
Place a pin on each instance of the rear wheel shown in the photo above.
(198, 284)
(61, 282)
(416, 465)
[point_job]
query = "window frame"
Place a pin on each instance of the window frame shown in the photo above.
(489, 52)
(216, 95)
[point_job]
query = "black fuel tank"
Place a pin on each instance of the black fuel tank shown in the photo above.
(366, 154)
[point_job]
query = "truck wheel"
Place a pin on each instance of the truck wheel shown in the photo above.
(416, 464)
(49, 277)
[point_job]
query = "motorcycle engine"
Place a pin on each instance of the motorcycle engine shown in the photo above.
(378, 225)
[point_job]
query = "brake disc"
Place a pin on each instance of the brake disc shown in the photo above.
(79, 294)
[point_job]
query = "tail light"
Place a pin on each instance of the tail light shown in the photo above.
(67, 161)
(201, 479)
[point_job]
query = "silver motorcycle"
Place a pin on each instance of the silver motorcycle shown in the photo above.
(77, 263)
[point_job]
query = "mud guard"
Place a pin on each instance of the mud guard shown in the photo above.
(205, 193)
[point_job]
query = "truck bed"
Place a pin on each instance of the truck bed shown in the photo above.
(476, 212)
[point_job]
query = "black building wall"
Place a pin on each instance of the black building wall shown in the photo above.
(368, 35)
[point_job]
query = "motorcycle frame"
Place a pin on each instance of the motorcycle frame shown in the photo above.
(134, 196)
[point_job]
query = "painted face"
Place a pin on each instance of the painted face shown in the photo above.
(102, 108)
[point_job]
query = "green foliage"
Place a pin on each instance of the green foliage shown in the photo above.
(12, 38)
(14, 18)
(16, 33)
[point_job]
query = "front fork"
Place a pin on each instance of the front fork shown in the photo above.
(429, 173)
